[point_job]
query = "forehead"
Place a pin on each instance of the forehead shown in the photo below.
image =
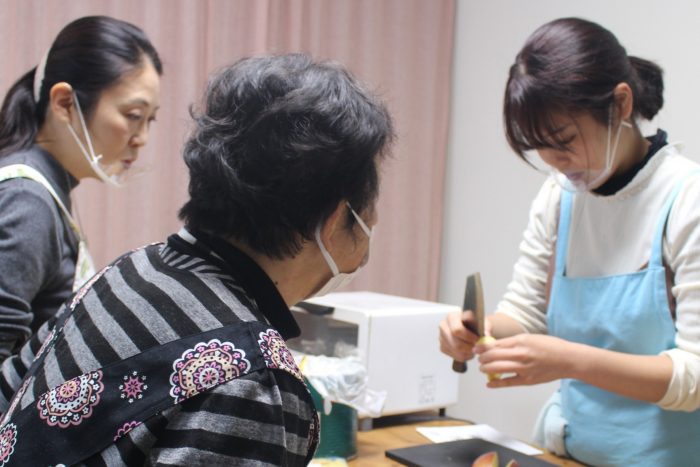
(140, 86)
(582, 122)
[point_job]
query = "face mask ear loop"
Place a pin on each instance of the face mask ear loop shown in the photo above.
(359, 220)
(93, 157)
(327, 256)
(617, 136)
(80, 143)
(608, 152)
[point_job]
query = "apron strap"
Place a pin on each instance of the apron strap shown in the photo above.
(563, 232)
(24, 171)
(656, 258)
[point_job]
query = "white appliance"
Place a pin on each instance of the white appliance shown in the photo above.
(398, 341)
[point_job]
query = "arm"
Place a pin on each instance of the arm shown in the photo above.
(534, 359)
(29, 254)
(669, 379)
(14, 368)
(259, 417)
(682, 254)
(523, 308)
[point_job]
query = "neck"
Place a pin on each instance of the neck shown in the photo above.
(634, 148)
(62, 147)
(290, 275)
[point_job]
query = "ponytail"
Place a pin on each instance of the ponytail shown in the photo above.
(650, 87)
(18, 116)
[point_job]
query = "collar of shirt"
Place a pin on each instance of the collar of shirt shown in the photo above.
(245, 271)
(618, 182)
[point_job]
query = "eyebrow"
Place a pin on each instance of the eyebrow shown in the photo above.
(140, 101)
(560, 129)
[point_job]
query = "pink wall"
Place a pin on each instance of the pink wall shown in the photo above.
(401, 48)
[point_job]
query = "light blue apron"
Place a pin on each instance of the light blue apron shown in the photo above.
(626, 313)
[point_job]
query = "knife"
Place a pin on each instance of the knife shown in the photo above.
(474, 301)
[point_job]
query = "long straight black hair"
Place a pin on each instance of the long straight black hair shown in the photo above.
(572, 66)
(91, 54)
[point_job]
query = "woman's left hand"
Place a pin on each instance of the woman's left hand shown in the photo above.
(524, 359)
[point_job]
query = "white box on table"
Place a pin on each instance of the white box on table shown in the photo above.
(398, 341)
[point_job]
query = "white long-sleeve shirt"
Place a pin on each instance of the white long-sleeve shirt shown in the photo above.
(613, 235)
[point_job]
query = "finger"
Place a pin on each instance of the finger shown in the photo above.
(500, 367)
(489, 346)
(497, 344)
(455, 327)
(454, 347)
(468, 321)
(506, 381)
(459, 352)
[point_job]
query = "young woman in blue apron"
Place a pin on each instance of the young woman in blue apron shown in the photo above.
(83, 112)
(604, 295)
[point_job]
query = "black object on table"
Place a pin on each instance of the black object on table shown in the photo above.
(459, 454)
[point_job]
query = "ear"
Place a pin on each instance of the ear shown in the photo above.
(61, 101)
(624, 100)
(333, 225)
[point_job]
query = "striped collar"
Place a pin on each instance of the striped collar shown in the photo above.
(244, 271)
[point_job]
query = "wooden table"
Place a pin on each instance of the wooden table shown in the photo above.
(400, 431)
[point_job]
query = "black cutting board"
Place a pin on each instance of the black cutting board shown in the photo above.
(459, 454)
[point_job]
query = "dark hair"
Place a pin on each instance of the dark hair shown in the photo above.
(572, 66)
(280, 142)
(91, 54)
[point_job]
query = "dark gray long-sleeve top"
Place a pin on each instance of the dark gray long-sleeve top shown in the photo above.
(38, 250)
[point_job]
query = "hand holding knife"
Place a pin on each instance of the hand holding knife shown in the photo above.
(474, 302)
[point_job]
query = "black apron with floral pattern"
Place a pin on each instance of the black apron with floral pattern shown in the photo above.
(105, 404)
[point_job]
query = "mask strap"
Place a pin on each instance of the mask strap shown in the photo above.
(364, 226)
(80, 143)
(608, 152)
(84, 126)
(327, 256)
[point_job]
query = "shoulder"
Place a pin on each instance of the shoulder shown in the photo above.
(22, 191)
(548, 195)
(680, 175)
(678, 172)
(544, 210)
(28, 208)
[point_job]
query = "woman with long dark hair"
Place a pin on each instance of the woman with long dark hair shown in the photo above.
(83, 112)
(605, 293)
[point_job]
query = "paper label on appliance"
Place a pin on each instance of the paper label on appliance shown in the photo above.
(426, 389)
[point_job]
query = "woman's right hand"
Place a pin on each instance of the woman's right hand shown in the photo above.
(455, 339)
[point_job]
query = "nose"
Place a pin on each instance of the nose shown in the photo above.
(554, 157)
(140, 138)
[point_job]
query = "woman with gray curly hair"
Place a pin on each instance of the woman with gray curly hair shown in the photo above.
(175, 353)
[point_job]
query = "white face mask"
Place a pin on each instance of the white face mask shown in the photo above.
(592, 179)
(116, 180)
(339, 279)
